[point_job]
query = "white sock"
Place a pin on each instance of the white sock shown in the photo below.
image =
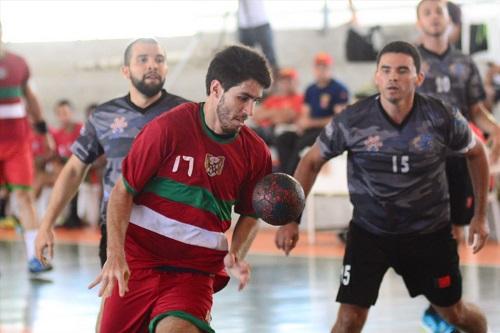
(29, 240)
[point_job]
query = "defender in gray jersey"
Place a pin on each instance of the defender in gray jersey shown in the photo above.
(397, 142)
(452, 77)
(110, 131)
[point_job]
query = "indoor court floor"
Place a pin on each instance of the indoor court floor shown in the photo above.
(293, 294)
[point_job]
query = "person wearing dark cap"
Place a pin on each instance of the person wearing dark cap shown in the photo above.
(323, 99)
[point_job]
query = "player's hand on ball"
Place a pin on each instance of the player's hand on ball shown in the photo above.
(287, 237)
(239, 269)
(115, 268)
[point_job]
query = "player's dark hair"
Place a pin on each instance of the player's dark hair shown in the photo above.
(236, 64)
(422, 1)
(64, 102)
(402, 47)
(128, 51)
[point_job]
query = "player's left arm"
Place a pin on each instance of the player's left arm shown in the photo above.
(243, 236)
(287, 236)
(487, 123)
(33, 107)
(477, 161)
(34, 110)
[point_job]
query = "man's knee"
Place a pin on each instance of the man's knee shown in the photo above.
(173, 324)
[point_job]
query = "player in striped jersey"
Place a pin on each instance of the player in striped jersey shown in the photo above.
(167, 249)
(110, 131)
(16, 157)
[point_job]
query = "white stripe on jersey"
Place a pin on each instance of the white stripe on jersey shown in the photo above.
(12, 111)
(185, 233)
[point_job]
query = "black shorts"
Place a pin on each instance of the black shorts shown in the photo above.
(103, 243)
(428, 264)
(460, 189)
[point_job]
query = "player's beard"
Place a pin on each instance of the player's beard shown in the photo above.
(148, 90)
(436, 32)
(225, 118)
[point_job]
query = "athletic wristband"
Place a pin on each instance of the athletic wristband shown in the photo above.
(41, 127)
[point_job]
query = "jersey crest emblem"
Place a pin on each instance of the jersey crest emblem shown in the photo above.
(458, 70)
(373, 143)
(423, 142)
(214, 164)
(119, 123)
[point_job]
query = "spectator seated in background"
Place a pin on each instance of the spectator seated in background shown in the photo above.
(492, 85)
(46, 169)
(323, 99)
(64, 136)
(280, 110)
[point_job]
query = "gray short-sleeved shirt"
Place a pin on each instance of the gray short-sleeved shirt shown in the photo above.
(396, 173)
(111, 129)
(452, 78)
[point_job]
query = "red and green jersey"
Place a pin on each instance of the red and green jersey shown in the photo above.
(14, 73)
(186, 179)
(64, 138)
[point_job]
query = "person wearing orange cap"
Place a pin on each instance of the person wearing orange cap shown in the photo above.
(323, 99)
(279, 112)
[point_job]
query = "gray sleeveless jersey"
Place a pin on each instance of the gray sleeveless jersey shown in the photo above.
(452, 78)
(396, 173)
(111, 129)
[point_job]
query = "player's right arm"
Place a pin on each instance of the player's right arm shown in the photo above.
(139, 166)
(65, 188)
(117, 220)
(306, 173)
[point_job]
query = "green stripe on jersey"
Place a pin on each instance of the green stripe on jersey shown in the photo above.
(129, 188)
(10, 92)
(193, 196)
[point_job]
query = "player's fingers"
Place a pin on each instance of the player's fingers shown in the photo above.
(50, 250)
(482, 238)
(95, 282)
(124, 285)
(289, 245)
(470, 239)
(245, 273)
(106, 287)
(479, 244)
(278, 239)
(39, 251)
